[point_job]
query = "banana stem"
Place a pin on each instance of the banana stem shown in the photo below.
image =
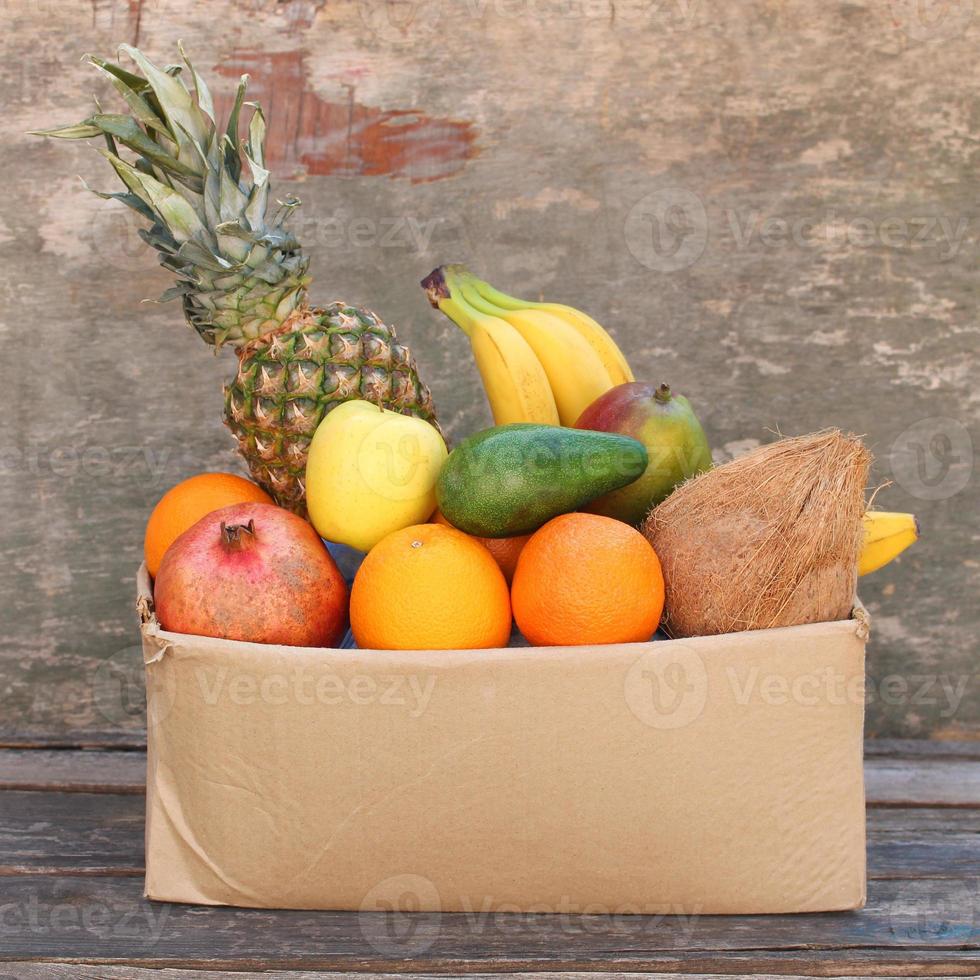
(467, 291)
(500, 299)
(493, 296)
(443, 288)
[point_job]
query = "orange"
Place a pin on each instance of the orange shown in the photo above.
(505, 551)
(182, 506)
(429, 587)
(585, 579)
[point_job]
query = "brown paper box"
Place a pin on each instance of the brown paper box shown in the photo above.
(717, 774)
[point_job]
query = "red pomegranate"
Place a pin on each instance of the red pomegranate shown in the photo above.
(252, 572)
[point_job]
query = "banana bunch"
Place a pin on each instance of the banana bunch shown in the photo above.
(886, 535)
(540, 362)
(546, 363)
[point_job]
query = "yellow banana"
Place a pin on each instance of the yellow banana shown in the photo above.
(596, 335)
(593, 333)
(515, 382)
(576, 374)
(886, 535)
(513, 378)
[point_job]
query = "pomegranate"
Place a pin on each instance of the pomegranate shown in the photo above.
(252, 572)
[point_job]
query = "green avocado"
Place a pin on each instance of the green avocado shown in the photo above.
(511, 479)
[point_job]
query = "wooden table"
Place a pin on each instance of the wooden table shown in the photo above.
(71, 905)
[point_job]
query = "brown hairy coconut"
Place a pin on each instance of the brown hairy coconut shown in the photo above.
(769, 539)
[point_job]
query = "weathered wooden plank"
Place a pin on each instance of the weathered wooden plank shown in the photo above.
(920, 842)
(74, 771)
(763, 965)
(899, 782)
(953, 781)
(88, 919)
(920, 748)
(85, 971)
(71, 833)
(97, 741)
(82, 833)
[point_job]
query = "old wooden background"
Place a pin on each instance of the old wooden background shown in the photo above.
(772, 204)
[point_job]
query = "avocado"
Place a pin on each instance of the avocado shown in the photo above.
(511, 479)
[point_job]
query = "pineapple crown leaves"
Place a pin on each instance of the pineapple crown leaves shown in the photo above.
(240, 272)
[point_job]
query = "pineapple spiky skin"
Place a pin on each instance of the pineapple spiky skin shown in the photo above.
(241, 276)
(288, 380)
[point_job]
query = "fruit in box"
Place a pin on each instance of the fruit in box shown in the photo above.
(886, 535)
(596, 336)
(587, 579)
(241, 276)
(430, 587)
(772, 538)
(183, 505)
(666, 424)
(540, 362)
(252, 572)
(370, 472)
(514, 379)
(505, 551)
(511, 479)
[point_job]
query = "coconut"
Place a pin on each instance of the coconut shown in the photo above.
(769, 539)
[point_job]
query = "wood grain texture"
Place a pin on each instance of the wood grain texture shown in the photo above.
(87, 918)
(73, 771)
(71, 833)
(59, 833)
(771, 204)
(71, 902)
(936, 783)
(88, 971)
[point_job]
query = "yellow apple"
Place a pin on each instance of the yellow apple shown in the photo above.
(371, 471)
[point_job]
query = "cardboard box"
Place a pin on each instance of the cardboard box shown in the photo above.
(719, 774)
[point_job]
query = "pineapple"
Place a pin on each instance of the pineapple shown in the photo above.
(241, 276)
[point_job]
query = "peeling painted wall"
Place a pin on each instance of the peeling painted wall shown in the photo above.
(771, 204)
